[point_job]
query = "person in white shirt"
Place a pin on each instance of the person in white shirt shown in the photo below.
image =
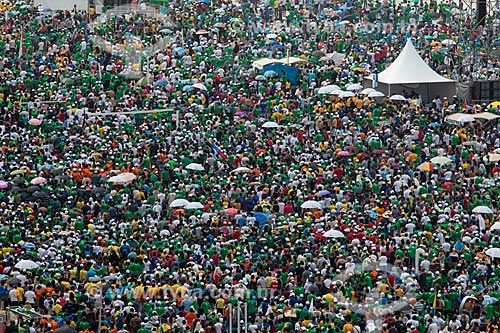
(432, 327)
(29, 296)
(13, 297)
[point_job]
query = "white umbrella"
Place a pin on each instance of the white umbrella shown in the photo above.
(495, 226)
(482, 210)
(354, 87)
(179, 203)
(336, 57)
(367, 91)
(448, 42)
(397, 98)
(346, 94)
(494, 252)
(194, 205)
(333, 234)
(311, 204)
(271, 36)
(464, 301)
(270, 124)
(123, 178)
(466, 119)
(327, 89)
(200, 86)
(376, 94)
(336, 92)
(494, 157)
(26, 265)
(441, 160)
(241, 170)
(195, 166)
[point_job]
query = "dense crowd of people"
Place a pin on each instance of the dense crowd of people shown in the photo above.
(154, 180)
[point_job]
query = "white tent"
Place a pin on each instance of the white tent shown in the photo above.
(64, 5)
(259, 64)
(409, 72)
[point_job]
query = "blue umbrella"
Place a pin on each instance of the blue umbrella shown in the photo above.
(277, 46)
(180, 51)
(261, 218)
(161, 83)
(187, 88)
(435, 124)
(429, 37)
(269, 73)
(344, 7)
(489, 300)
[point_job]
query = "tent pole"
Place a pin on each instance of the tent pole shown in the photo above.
(428, 92)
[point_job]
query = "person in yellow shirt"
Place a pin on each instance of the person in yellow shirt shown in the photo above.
(83, 274)
(20, 293)
(348, 327)
(174, 288)
(57, 308)
(139, 290)
(219, 305)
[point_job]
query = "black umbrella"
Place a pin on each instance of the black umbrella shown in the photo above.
(226, 79)
(65, 329)
(98, 190)
(13, 281)
(33, 188)
(17, 189)
(40, 195)
(19, 181)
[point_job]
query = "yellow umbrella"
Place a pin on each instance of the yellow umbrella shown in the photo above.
(494, 105)
(17, 172)
(329, 298)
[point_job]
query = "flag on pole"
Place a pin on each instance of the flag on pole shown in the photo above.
(217, 149)
(21, 45)
(464, 108)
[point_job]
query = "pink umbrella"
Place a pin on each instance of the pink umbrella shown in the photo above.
(351, 148)
(38, 181)
(3, 184)
(343, 153)
(35, 122)
(230, 211)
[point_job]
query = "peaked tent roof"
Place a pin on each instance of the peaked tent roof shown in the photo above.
(410, 68)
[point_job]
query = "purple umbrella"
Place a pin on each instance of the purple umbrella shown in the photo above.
(322, 193)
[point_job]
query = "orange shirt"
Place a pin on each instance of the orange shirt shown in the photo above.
(39, 293)
(190, 317)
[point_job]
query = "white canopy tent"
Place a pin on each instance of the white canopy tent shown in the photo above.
(409, 72)
(64, 5)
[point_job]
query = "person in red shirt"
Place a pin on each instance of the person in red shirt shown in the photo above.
(190, 317)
